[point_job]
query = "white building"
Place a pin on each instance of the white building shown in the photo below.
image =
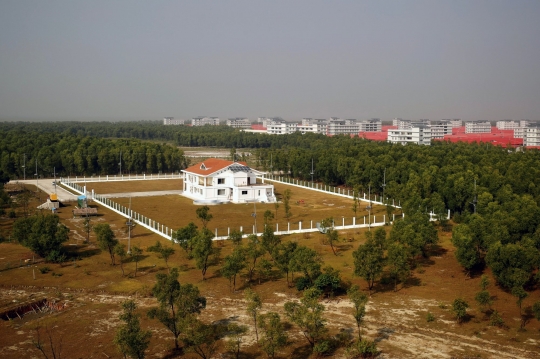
(507, 125)
(338, 126)
(420, 135)
(216, 181)
(532, 136)
(313, 125)
(202, 121)
(239, 122)
(172, 121)
(477, 127)
(373, 125)
(279, 126)
(440, 128)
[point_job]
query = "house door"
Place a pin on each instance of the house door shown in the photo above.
(249, 179)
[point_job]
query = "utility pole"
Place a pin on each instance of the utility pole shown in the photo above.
(36, 177)
(54, 173)
(383, 185)
(255, 215)
(271, 170)
(24, 167)
(369, 207)
(120, 163)
(312, 172)
(129, 224)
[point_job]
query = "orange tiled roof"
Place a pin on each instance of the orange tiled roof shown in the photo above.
(211, 165)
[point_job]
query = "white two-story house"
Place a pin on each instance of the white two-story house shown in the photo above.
(216, 181)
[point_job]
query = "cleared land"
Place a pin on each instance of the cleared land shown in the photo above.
(93, 290)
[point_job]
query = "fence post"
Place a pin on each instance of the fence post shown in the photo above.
(354, 221)
(311, 224)
(288, 226)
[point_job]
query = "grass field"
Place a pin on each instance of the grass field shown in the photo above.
(93, 290)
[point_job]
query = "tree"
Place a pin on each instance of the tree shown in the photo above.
(253, 252)
(307, 315)
(136, 254)
(331, 234)
(483, 298)
(536, 310)
(368, 262)
(203, 249)
(416, 232)
(459, 307)
(286, 203)
(268, 217)
(398, 264)
(307, 261)
(198, 337)
(203, 213)
(43, 234)
(328, 282)
(55, 348)
(282, 256)
(235, 237)
(87, 225)
(106, 239)
(185, 237)
(359, 301)
(264, 269)
(276, 207)
(466, 252)
(520, 294)
(175, 302)
(236, 334)
(253, 305)
(163, 251)
(269, 240)
(120, 251)
(233, 265)
(131, 340)
(273, 333)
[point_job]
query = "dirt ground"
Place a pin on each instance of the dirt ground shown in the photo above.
(92, 289)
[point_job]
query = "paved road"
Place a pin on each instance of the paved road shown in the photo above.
(46, 185)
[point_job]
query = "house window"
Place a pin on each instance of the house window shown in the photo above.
(259, 193)
(221, 192)
(221, 181)
(244, 193)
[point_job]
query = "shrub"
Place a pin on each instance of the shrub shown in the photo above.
(496, 320)
(302, 283)
(44, 270)
(322, 347)
(363, 348)
(430, 317)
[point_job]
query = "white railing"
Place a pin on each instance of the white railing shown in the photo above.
(123, 177)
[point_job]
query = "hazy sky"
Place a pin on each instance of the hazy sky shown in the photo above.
(475, 60)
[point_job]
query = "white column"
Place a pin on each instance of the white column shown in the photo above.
(343, 222)
(288, 226)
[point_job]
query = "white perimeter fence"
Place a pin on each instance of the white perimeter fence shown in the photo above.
(219, 234)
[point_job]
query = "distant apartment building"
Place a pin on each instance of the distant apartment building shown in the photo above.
(477, 127)
(455, 122)
(532, 136)
(420, 135)
(172, 121)
(278, 126)
(202, 121)
(440, 128)
(313, 126)
(399, 122)
(520, 132)
(373, 125)
(507, 125)
(338, 126)
(239, 122)
(524, 123)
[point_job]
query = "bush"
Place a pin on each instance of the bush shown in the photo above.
(363, 348)
(496, 320)
(322, 347)
(430, 317)
(44, 270)
(302, 283)
(12, 214)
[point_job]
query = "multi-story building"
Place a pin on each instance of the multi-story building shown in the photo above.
(507, 125)
(279, 126)
(172, 121)
(477, 127)
(440, 128)
(202, 121)
(532, 135)
(338, 126)
(239, 122)
(520, 132)
(524, 123)
(420, 135)
(313, 125)
(373, 125)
